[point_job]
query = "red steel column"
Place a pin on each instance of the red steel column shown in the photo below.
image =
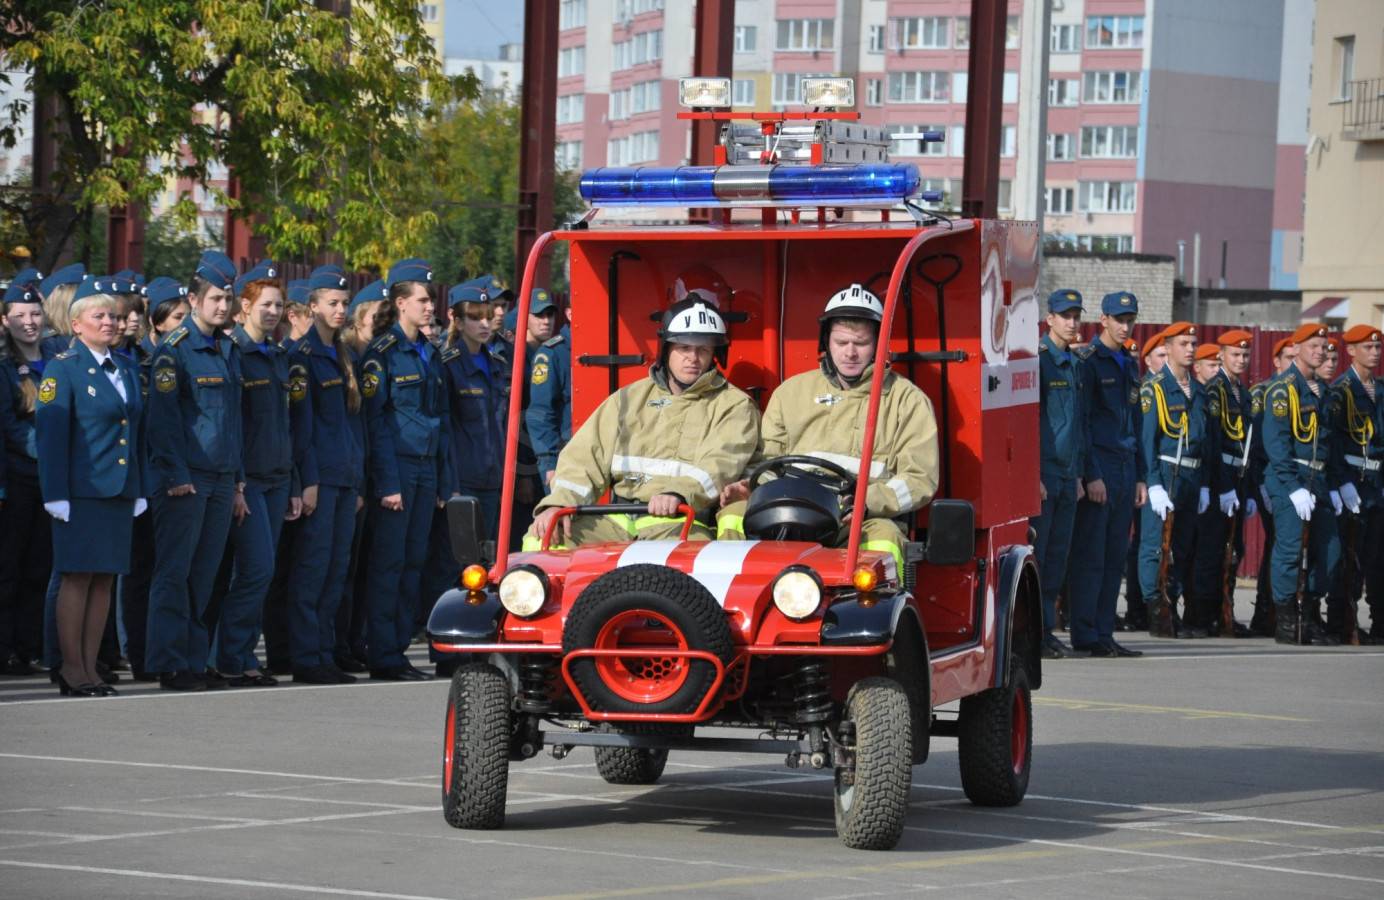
(537, 128)
(711, 57)
(980, 183)
(125, 238)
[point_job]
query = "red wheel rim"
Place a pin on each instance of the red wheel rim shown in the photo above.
(1018, 734)
(449, 742)
(642, 679)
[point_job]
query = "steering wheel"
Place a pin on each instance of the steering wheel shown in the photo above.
(840, 480)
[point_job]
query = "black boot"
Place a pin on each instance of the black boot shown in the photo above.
(1161, 620)
(1314, 630)
(1285, 626)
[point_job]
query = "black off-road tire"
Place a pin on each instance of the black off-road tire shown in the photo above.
(668, 592)
(870, 814)
(637, 765)
(478, 728)
(995, 750)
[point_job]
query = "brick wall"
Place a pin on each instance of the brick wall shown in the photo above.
(1148, 277)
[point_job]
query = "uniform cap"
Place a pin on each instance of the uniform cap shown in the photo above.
(1208, 351)
(1119, 303)
(22, 292)
(94, 285)
(1308, 331)
(329, 278)
(468, 292)
(164, 290)
(27, 275)
(1179, 328)
(1282, 345)
(72, 274)
(1359, 334)
(298, 291)
(1151, 345)
(1060, 301)
(540, 301)
(373, 291)
(264, 270)
(494, 287)
(510, 322)
(216, 269)
(694, 322)
(136, 278)
(1236, 338)
(411, 269)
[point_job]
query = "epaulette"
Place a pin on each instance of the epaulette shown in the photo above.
(303, 346)
(382, 343)
(553, 341)
(177, 335)
(450, 354)
(1085, 350)
(66, 354)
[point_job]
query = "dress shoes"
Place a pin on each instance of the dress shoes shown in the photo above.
(19, 666)
(1118, 649)
(1097, 650)
(350, 664)
(247, 680)
(342, 676)
(214, 680)
(108, 675)
(1192, 631)
(423, 676)
(397, 673)
(181, 681)
(315, 675)
(1053, 648)
(142, 675)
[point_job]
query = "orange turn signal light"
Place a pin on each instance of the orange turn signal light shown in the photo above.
(864, 579)
(474, 577)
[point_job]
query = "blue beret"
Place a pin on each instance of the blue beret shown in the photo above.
(412, 269)
(27, 275)
(136, 278)
(511, 320)
(72, 274)
(22, 292)
(1119, 303)
(216, 269)
(373, 291)
(1062, 300)
(93, 285)
(264, 270)
(540, 301)
(328, 277)
(298, 290)
(164, 290)
(467, 292)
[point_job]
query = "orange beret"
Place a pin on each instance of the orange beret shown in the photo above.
(1308, 331)
(1179, 328)
(1151, 345)
(1131, 346)
(1236, 338)
(1359, 334)
(1282, 345)
(1208, 351)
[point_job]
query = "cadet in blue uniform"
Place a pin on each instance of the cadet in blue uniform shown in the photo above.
(1357, 421)
(475, 379)
(549, 414)
(1062, 449)
(1301, 478)
(1113, 477)
(333, 467)
(196, 445)
(405, 395)
(93, 475)
(1173, 441)
(26, 552)
(272, 488)
(57, 290)
(1262, 622)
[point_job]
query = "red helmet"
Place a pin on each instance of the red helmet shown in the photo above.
(703, 280)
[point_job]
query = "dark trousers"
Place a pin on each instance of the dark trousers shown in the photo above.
(314, 590)
(276, 600)
(1208, 571)
(1053, 526)
(1263, 589)
(26, 558)
(134, 591)
(1362, 568)
(398, 552)
(190, 532)
(1094, 573)
(351, 617)
(253, 543)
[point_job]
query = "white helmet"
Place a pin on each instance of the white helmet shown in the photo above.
(853, 302)
(694, 321)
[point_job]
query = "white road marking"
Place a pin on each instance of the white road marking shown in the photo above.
(718, 564)
(339, 779)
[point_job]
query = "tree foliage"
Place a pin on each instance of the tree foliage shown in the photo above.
(316, 115)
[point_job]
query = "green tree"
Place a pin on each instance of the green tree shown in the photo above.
(172, 250)
(314, 112)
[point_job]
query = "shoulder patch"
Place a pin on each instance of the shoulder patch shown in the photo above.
(1213, 403)
(539, 373)
(370, 377)
(554, 341)
(297, 382)
(450, 354)
(1085, 350)
(67, 354)
(165, 376)
(48, 389)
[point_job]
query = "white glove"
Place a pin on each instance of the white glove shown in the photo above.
(140, 506)
(1250, 507)
(1302, 503)
(1229, 503)
(1268, 501)
(1351, 497)
(59, 509)
(1336, 503)
(1159, 502)
(1203, 500)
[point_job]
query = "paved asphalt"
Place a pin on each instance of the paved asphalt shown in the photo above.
(1207, 768)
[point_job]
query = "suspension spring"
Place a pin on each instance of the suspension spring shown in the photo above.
(535, 674)
(813, 697)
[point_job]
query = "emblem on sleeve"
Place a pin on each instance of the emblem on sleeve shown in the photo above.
(48, 390)
(370, 378)
(165, 379)
(1145, 402)
(1279, 405)
(297, 383)
(540, 371)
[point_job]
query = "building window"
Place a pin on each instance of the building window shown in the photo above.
(1106, 196)
(569, 108)
(568, 154)
(1061, 147)
(876, 39)
(571, 61)
(1111, 87)
(635, 148)
(1106, 243)
(742, 92)
(745, 38)
(1058, 201)
(1011, 33)
(911, 147)
(957, 133)
(1006, 193)
(641, 48)
(919, 87)
(963, 32)
(628, 9)
(806, 34)
(1109, 32)
(1343, 59)
(1009, 140)
(428, 12)
(1065, 39)
(1110, 141)
(918, 33)
(1011, 87)
(633, 100)
(961, 82)
(1062, 91)
(571, 14)
(874, 92)
(788, 87)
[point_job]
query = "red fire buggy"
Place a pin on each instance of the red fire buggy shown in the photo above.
(634, 648)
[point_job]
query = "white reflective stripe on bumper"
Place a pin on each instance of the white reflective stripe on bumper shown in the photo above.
(651, 467)
(654, 553)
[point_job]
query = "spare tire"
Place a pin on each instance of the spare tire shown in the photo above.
(646, 607)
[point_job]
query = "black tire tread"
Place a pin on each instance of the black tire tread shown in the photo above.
(630, 765)
(879, 708)
(480, 759)
(983, 731)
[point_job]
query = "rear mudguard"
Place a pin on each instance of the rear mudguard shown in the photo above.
(852, 620)
(457, 617)
(1019, 615)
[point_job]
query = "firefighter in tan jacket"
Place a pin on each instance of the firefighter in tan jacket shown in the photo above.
(821, 413)
(677, 436)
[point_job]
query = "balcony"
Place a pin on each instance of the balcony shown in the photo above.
(1364, 111)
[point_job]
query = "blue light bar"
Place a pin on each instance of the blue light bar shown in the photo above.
(783, 185)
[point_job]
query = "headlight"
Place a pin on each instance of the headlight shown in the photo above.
(797, 593)
(523, 592)
(830, 92)
(704, 93)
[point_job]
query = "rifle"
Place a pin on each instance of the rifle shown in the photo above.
(1164, 624)
(1300, 595)
(1237, 524)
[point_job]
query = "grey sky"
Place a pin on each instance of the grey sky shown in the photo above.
(477, 28)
